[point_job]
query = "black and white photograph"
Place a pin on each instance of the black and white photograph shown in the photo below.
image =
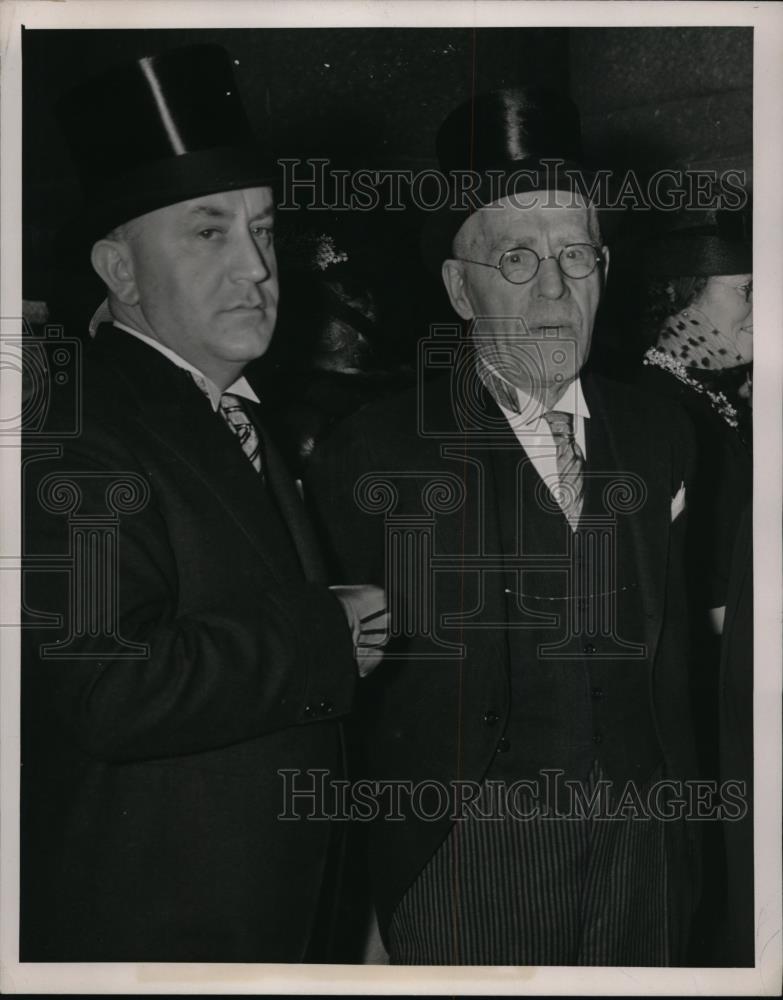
(391, 487)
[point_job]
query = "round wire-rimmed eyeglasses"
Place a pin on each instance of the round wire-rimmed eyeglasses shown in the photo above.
(520, 264)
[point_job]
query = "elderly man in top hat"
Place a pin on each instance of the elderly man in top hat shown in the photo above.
(187, 648)
(537, 607)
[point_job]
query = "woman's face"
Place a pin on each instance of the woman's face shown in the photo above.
(728, 300)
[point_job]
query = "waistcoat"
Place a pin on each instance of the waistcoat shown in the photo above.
(580, 676)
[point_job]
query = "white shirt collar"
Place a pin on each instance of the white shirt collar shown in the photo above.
(572, 401)
(239, 388)
(101, 315)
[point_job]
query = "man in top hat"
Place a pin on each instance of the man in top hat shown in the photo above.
(527, 519)
(182, 646)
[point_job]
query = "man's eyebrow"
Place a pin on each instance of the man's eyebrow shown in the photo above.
(211, 211)
(511, 242)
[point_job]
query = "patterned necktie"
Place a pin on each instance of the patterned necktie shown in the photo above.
(570, 465)
(237, 419)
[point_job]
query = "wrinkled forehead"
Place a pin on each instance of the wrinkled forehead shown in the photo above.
(529, 216)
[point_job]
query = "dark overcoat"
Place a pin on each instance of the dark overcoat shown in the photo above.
(180, 649)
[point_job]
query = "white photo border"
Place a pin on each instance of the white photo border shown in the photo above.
(161, 979)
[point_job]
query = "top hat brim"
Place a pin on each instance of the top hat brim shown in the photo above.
(168, 182)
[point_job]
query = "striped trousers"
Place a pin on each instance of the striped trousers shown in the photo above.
(539, 891)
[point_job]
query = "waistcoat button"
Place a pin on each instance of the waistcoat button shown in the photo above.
(490, 718)
(503, 745)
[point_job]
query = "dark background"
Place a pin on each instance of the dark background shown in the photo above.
(373, 98)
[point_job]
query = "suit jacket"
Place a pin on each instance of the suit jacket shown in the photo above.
(181, 647)
(435, 712)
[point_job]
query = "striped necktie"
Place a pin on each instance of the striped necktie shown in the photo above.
(237, 419)
(570, 465)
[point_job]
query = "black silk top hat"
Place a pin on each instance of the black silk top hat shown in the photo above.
(513, 141)
(701, 244)
(160, 130)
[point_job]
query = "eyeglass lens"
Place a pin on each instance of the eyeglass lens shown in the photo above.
(577, 260)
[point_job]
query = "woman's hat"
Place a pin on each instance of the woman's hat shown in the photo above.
(160, 130)
(512, 141)
(701, 244)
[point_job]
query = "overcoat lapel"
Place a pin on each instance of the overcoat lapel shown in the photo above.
(623, 443)
(472, 598)
(291, 507)
(172, 408)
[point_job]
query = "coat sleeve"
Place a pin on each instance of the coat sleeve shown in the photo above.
(145, 674)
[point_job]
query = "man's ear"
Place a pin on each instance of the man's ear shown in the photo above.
(113, 262)
(454, 279)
